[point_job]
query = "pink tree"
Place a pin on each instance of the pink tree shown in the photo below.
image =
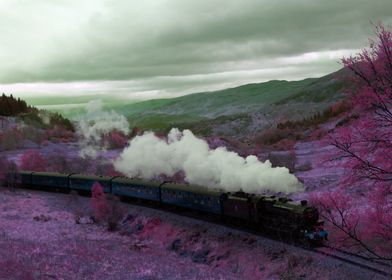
(364, 146)
(117, 140)
(106, 208)
(367, 144)
(99, 202)
(32, 160)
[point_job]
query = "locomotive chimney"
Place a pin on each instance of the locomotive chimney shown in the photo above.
(304, 202)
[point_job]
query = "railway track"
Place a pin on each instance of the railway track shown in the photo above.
(379, 267)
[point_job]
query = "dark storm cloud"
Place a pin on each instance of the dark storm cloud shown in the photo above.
(176, 44)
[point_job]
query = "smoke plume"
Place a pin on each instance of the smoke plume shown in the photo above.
(148, 156)
(96, 123)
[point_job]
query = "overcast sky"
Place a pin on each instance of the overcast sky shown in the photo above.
(159, 48)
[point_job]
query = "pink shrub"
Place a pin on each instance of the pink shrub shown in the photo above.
(117, 140)
(33, 160)
(110, 171)
(274, 135)
(106, 208)
(135, 131)
(33, 134)
(378, 221)
(316, 134)
(59, 133)
(12, 139)
(99, 202)
(285, 145)
(337, 208)
(45, 143)
(356, 226)
(58, 162)
(77, 164)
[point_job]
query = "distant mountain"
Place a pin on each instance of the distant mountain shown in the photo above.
(240, 109)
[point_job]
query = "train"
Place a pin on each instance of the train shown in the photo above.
(278, 216)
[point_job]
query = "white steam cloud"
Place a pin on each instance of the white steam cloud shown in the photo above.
(96, 123)
(148, 156)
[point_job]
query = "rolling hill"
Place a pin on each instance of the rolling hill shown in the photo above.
(238, 111)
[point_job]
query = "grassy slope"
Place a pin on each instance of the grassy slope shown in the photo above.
(199, 110)
(223, 102)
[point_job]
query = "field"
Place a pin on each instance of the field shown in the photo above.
(41, 240)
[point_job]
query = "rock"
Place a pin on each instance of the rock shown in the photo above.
(129, 218)
(36, 275)
(138, 228)
(42, 218)
(126, 230)
(137, 246)
(223, 256)
(86, 221)
(175, 245)
(183, 253)
(200, 256)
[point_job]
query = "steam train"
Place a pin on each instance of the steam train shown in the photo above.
(280, 217)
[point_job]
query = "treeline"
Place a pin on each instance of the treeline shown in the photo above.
(55, 119)
(15, 107)
(45, 119)
(290, 132)
(319, 118)
(10, 106)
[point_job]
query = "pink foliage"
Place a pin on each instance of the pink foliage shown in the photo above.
(117, 140)
(364, 148)
(58, 161)
(59, 133)
(360, 227)
(99, 202)
(33, 160)
(337, 208)
(106, 208)
(367, 142)
(11, 139)
(379, 222)
(285, 145)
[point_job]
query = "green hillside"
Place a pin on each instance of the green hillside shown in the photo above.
(223, 102)
(291, 99)
(234, 111)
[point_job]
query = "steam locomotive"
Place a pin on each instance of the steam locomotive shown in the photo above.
(269, 214)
